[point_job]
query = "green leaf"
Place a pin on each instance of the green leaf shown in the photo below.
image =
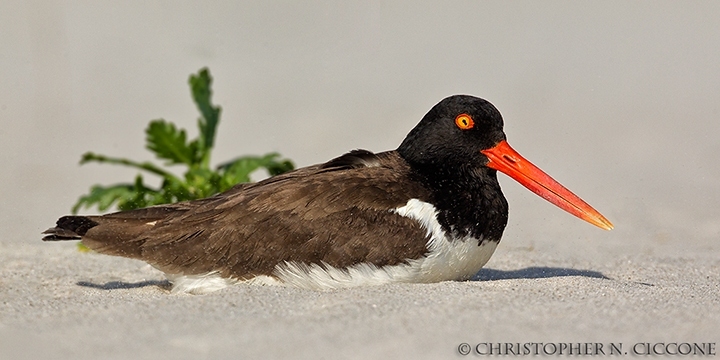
(104, 197)
(200, 85)
(198, 154)
(141, 196)
(201, 182)
(279, 167)
(169, 143)
(173, 191)
(276, 167)
(239, 169)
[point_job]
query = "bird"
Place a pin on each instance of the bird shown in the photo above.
(430, 211)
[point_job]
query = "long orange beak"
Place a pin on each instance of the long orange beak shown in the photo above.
(505, 159)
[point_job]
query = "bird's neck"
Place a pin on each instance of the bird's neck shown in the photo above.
(469, 203)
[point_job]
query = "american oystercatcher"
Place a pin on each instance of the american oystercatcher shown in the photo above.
(430, 211)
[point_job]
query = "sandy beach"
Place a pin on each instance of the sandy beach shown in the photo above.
(617, 101)
(58, 303)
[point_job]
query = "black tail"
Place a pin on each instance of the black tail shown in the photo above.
(69, 228)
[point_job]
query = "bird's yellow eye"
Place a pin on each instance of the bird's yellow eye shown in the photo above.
(464, 122)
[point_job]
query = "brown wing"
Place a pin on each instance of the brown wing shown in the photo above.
(337, 213)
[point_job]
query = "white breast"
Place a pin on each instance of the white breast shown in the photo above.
(448, 259)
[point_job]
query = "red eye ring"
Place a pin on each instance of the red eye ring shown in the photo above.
(464, 122)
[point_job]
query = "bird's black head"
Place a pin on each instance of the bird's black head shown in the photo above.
(444, 150)
(452, 134)
(458, 147)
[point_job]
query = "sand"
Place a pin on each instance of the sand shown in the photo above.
(616, 100)
(59, 303)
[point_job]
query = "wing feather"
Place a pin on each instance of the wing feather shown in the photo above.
(336, 215)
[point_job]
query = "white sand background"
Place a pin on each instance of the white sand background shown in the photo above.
(619, 101)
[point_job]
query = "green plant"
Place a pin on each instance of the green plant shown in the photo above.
(171, 144)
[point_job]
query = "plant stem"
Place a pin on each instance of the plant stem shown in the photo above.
(147, 166)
